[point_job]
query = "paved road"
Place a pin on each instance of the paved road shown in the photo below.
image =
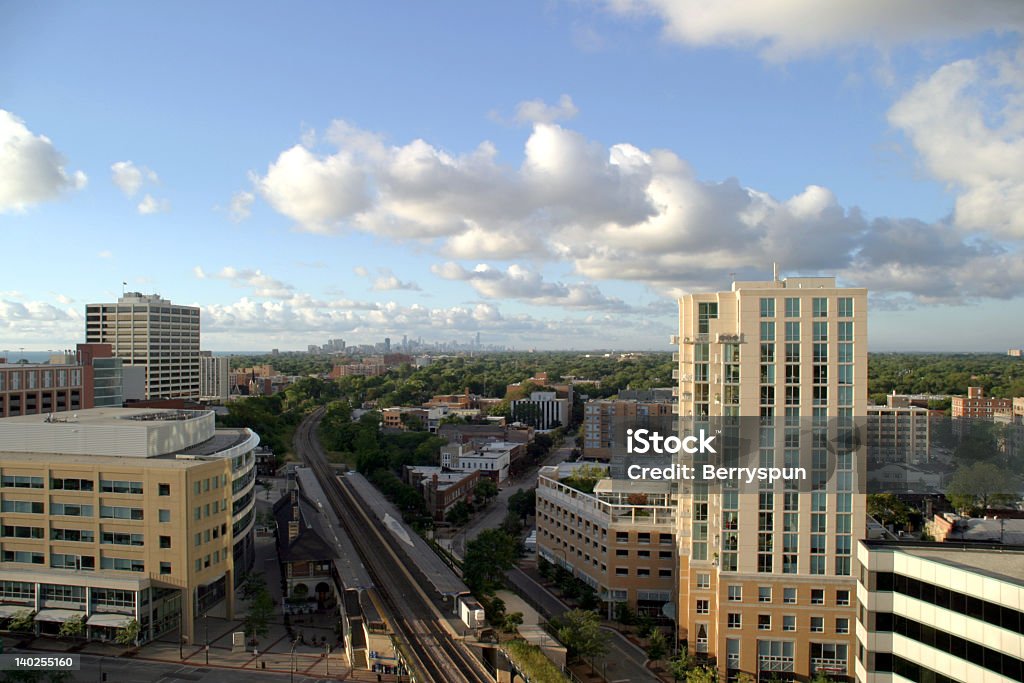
(495, 513)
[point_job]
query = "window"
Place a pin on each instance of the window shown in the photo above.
(21, 482)
(735, 593)
(164, 489)
(792, 331)
(845, 306)
(789, 622)
(703, 607)
(71, 484)
(817, 596)
(767, 331)
(165, 542)
(621, 552)
(843, 598)
(764, 622)
(764, 594)
(115, 512)
(643, 572)
(622, 537)
(664, 573)
(820, 307)
(622, 571)
(792, 307)
(165, 567)
(120, 538)
(789, 596)
(122, 564)
(198, 513)
(111, 486)
(165, 516)
(767, 308)
(69, 510)
(735, 620)
(22, 506)
(199, 539)
(842, 626)
(704, 581)
(817, 624)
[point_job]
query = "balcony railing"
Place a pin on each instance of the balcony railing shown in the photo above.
(697, 339)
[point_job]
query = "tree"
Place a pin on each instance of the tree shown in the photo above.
(512, 622)
(623, 614)
(981, 484)
(252, 584)
(458, 514)
(485, 489)
(701, 674)
(657, 645)
(267, 488)
(680, 665)
(580, 631)
(129, 633)
(888, 509)
(523, 503)
(72, 627)
(260, 611)
(23, 621)
(494, 609)
(488, 557)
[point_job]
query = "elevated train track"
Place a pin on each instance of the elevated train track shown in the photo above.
(427, 646)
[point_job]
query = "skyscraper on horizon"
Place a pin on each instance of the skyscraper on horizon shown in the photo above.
(147, 330)
(766, 582)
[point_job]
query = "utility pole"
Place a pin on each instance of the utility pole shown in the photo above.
(206, 623)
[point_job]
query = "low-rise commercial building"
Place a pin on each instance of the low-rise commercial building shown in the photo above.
(939, 612)
(619, 539)
(491, 459)
(977, 405)
(442, 489)
(118, 514)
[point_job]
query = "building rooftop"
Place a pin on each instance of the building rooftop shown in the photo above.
(139, 433)
(1005, 563)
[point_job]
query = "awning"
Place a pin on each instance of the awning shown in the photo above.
(58, 615)
(11, 610)
(111, 620)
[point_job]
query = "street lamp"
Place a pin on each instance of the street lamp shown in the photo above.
(206, 623)
(327, 659)
(291, 669)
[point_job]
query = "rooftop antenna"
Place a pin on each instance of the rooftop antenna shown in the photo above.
(775, 271)
(123, 286)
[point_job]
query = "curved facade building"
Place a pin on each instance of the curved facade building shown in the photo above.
(116, 514)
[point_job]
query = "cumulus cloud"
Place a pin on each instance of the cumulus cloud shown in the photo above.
(385, 280)
(37, 323)
(538, 111)
(785, 28)
(966, 122)
(319, 193)
(31, 169)
(241, 206)
(517, 282)
(261, 284)
(130, 178)
(150, 205)
(621, 213)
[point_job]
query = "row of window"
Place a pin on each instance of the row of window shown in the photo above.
(68, 510)
(976, 653)
(78, 484)
(734, 593)
(734, 620)
(819, 307)
(643, 572)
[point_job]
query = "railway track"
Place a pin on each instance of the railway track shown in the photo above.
(427, 646)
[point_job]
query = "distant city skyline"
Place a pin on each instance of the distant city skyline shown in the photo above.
(548, 175)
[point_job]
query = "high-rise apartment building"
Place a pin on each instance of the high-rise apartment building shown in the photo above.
(604, 420)
(778, 371)
(214, 377)
(146, 330)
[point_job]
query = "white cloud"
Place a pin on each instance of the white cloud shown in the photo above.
(241, 206)
(261, 284)
(784, 28)
(388, 282)
(105, 254)
(967, 123)
(31, 168)
(538, 111)
(623, 213)
(517, 282)
(361, 271)
(37, 323)
(130, 178)
(150, 205)
(320, 194)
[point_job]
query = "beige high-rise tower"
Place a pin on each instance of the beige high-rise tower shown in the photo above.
(144, 329)
(767, 580)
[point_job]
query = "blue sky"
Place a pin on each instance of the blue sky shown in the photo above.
(548, 174)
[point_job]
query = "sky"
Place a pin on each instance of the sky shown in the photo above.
(551, 174)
